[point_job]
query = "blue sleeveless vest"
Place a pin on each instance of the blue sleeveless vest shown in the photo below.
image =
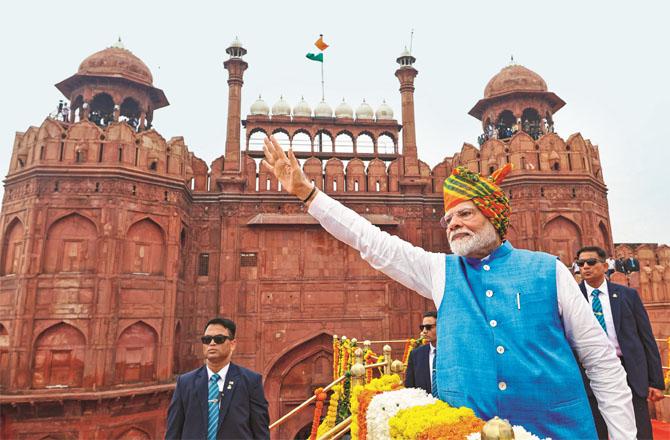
(501, 347)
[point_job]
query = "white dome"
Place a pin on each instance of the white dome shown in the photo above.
(281, 108)
(236, 43)
(260, 107)
(405, 53)
(302, 109)
(323, 110)
(344, 110)
(364, 111)
(384, 111)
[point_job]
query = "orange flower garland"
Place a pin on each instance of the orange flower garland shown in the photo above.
(318, 410)
(370, 358)
(452, 432)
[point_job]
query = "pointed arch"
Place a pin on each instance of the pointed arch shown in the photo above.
(562, 237)
(58, 357)
(605, 241)
(134, 434)
(135, 359)
(296, 371)
(144, 248)
(71, 245)
(12, 248)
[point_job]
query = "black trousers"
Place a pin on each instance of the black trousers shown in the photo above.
(642, 420)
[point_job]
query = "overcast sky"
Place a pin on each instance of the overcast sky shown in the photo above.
(609, 61)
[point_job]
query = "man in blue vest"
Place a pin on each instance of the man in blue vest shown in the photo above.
(508, 319)
(421, 360)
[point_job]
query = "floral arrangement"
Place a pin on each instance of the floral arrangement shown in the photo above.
(386, 405)
(361, 397)
(336, 358)
(436, 420)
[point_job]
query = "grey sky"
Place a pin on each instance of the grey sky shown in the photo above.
(608, 61)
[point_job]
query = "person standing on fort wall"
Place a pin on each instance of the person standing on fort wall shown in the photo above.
(508, 319)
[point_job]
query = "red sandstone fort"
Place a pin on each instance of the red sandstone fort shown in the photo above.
(117, 244)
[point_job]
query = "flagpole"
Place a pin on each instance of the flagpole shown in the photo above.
(323, 93)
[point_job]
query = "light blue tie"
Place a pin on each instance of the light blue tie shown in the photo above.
(598, 309)
(433, 375)
(213, 401)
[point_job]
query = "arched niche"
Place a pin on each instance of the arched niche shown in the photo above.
(71, 245)
(144, 249)
(334, 171)
(294, 375)
(355, 176)
(12, 248)
(562, 238)
(135, 359)
(134, 434)
(377, 178)
(605, 237)
(58, 357)
(130, 112)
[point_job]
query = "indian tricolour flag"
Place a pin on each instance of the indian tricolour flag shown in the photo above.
(321, 45)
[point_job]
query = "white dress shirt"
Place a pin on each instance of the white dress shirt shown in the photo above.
(222, 375)
(424, 272)
(431, 356)
(604, 297)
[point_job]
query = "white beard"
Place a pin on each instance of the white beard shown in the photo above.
(468, 245)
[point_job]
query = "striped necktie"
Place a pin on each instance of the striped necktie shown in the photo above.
(598, 309)
(213, 400)
(433, 375)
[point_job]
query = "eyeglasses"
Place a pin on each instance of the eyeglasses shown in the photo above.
(589, 261)
(464, 214)
(427, 327)
(219, 339)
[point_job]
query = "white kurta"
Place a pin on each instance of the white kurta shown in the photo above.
(424, 272)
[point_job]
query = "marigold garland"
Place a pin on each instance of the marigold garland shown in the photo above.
(318, 410)
(336, 358)
(435, 421)
(370, 358)
(331, 414)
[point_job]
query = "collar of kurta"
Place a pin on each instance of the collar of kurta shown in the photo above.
(502, 250)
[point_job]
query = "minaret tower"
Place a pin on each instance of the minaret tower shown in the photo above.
(232, 178)
(410, 177)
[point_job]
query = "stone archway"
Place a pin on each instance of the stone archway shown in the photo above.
(293, 378)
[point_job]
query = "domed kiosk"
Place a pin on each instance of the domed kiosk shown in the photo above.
(111, 84)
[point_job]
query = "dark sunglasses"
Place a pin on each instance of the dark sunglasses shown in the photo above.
(589, 261)
(427, 327)
(219, 339)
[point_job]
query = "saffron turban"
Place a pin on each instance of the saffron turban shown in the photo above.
(463, 185)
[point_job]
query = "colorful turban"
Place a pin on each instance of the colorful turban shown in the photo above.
(464, 185)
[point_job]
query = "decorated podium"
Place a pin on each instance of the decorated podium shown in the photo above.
(368, 401)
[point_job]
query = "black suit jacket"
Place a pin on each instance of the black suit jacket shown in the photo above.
(243, 413)
(641, 358)
(631, 265)
(418, 368)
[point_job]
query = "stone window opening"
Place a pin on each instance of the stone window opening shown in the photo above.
(355, 185)
(134, 190)
(555, 166)
(42, 152)
(56, 186)
(120, 158)
(334, 185)
(153, 165)
(62, 151)
(541, 192)
(77, 156)
(203, 265)
(101, 152)
(97, 186)
(137, 156)
(377, 186)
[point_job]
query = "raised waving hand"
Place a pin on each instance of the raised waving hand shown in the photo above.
(287, 170)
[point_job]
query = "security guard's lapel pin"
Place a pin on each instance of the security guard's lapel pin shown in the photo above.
(230, 385)
(615, 295)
